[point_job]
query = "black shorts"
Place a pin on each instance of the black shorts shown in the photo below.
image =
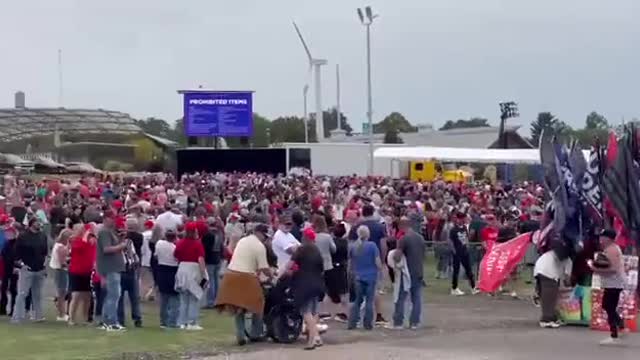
(79, 282)
(336, 283)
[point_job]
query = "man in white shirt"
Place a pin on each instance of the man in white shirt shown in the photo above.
(170, 219)
(284, 243)
(550, 270)
(248, 263)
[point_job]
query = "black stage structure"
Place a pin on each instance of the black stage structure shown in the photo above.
(265, 160)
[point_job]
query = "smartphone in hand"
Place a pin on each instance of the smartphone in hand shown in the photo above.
(204, 283)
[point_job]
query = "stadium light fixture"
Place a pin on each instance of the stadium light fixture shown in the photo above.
(367, 24)
(508, 110)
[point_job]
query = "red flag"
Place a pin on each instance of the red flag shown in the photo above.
(612, 149)
(499, 263)
(609, 209)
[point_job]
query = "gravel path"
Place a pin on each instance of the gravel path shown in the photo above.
(474, 328)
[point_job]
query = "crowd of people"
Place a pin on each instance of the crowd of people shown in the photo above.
(338, 240)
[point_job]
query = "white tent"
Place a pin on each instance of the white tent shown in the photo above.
(506, 156)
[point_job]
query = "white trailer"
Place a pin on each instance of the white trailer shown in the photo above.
(342, 159)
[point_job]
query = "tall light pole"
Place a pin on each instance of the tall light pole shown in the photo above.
(305, 91)
(508, 110)
(339, 119)
(366, 18)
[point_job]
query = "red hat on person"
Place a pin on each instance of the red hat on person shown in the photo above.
(117, 204)
(191, 226)
(120, 223)
(309, 234)
(210, 208)
(148, 224)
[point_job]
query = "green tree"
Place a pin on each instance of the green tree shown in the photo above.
(596, 121)
(290, 129)
(178, 133)
(330, 121)
(461, 123)
(394, 122)
(157, 127)
(548, 122)
(596, 126)
(392, 136)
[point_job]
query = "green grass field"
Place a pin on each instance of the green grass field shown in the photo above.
(57, 341)
(51, 340)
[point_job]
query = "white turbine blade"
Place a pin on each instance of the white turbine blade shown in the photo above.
(306, 48)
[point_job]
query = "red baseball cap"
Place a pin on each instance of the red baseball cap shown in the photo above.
(191, 226)
(309, 234)
(117, 204)
(148, 224)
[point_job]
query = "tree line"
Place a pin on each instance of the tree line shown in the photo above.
(292, 128)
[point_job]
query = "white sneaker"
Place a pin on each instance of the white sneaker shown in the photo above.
(475, 291)
(116, 328)
(194, 328)
(611, 342)
(62, 318)
(184, 327)
(322, 328)
(549, 325)
(457, 292)
(393, 327)
(514, 294)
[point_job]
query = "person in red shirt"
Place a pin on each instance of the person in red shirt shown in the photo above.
(191, 278)
(81, 263)
(489, 234)
(201, 222)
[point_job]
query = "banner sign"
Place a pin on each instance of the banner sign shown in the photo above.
(501, 261)
(218, 113)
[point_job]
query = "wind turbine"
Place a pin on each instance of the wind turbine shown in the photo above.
(314, 65)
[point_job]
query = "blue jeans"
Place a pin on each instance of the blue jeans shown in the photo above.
(416, 303)
(129, 284)
(29, 281)
(214, 279)
(365, 291)
(169, 304)
(189, 309)
(257, 327)
(111, 298)
(443, 254)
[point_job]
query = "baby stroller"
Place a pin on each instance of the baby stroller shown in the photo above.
(282, 319)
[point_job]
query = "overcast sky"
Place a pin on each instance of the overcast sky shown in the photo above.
(433, 60)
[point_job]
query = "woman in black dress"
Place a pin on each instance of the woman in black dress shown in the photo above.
(336, 278)
(308, 285)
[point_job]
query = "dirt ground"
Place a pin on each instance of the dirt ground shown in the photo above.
(471, 327)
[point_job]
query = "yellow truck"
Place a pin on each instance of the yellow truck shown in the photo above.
(430, 170)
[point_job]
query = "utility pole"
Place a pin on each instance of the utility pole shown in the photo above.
(367, 22)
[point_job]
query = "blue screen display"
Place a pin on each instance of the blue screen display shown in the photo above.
(218, 113)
